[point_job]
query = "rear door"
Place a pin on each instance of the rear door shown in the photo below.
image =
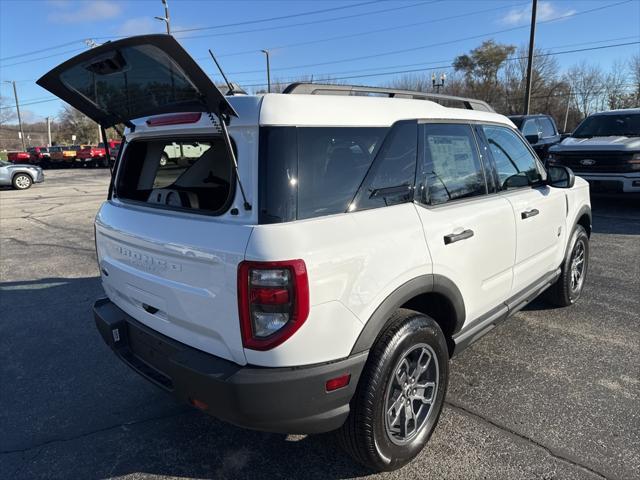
(469, 228)
(133, 78)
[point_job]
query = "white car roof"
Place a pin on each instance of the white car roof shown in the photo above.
(301, 110)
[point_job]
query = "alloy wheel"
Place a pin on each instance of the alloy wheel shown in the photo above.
(411, 393)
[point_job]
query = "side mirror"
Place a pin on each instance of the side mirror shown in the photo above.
(560, 176)
(533, 139)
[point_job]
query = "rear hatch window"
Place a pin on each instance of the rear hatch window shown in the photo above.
(188, 174)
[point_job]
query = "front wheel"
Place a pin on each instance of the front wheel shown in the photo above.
(400, 393)
(570, 283)
(21, 181)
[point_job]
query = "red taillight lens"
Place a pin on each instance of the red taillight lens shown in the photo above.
(174, 119)
(273, 301)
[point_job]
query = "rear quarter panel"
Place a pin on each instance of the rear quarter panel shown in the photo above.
(354, 261)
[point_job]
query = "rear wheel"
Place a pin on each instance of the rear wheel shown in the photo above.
(21, 181)
(400, 393)
(569, 285)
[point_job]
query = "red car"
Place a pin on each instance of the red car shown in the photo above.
(95, 156)
(18, 157)
(38, 155)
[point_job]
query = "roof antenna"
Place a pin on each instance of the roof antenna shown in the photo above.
(226, 80)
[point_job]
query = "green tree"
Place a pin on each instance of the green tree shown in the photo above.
(481, 67)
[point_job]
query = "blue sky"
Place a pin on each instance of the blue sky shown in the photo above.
(344, 38)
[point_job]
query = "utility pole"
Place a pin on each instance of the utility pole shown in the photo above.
(49, 131)
(566, 113)
(266, 52)
(166, 19)
(440, 84)
(532, 38)
(15, 94)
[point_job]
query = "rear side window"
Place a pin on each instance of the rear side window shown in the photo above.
(309, 172)
(450, 167)
(515, 164)
(190, 174)
(530, 127)
(546, 127)
(391, 177)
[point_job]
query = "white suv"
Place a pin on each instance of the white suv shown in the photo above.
(322, 259)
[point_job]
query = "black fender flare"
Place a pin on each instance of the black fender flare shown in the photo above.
(431, 283)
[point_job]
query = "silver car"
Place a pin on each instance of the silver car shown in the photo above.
(19, 176)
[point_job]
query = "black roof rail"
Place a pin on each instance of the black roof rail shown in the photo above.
(332, 89)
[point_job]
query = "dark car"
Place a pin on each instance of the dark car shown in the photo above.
(540, 130)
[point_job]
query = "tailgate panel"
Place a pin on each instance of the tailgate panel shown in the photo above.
(175, 273)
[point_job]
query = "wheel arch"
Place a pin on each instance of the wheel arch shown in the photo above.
(433, 295)
(584, 218)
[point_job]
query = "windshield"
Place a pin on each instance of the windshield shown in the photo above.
(625, 125)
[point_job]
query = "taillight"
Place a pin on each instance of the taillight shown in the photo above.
(174, 119)
(273, 301)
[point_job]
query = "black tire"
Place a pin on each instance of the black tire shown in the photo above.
(565, 291)
(366, 435)
(21, 181)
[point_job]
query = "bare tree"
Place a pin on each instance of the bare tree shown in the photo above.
(586, 83)
(615, 86)
(7, 110)
(72, 122)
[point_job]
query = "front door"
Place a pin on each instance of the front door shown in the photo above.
(539, 211)
(469, 228)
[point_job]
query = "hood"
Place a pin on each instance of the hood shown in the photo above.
(617, 143)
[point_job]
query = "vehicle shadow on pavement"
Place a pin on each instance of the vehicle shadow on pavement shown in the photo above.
(70, 409)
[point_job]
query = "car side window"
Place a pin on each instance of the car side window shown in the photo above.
(390, 180)
(515, 164)
(530, 127)
(450, 167)
(546, 127)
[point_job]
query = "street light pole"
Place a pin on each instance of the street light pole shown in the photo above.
(166, 19)
(266, 52)
(49, 131)
(532, 37)
(15, 95)
(440, 84)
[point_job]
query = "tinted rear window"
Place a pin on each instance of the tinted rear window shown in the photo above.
(189, 174)
(131, 81)
(313, 171)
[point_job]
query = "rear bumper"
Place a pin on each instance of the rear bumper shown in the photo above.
(284, 400)
(612, 182)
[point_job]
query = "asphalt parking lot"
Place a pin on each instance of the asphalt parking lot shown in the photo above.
(550, 394)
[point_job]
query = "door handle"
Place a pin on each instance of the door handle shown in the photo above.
(456, 237)
(529, 213)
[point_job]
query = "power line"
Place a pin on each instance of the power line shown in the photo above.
(369, 32)
(282, 17)
(438, 62)
(439, 67)
(422, 47)
(248, 22)
(313, 22)
(343, 17)
(449, 66)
